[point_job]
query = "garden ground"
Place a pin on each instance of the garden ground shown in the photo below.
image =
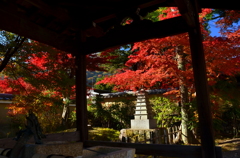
(230, 147)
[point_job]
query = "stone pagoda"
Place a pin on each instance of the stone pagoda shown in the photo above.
(143, 117)
(143, 126)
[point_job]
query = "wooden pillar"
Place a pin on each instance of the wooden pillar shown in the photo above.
(189, 10)
(81, 94)
(203, 103)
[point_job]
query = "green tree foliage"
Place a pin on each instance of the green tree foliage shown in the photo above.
(226, 105)
(107, 87)
(117, 115)
(37, 73)
(117, 58)
(94, 76)
(166, 111)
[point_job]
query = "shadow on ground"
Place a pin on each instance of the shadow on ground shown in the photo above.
(230, 148)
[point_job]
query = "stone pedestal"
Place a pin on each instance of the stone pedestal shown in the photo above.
(143, 124)
(149, 136)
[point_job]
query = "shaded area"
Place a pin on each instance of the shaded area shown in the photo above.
(230, 147)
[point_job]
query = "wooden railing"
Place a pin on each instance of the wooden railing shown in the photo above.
(170, 135)
(174, 134)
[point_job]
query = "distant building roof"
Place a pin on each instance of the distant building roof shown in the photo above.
(121, 94)
(157, 91)
(4, 96)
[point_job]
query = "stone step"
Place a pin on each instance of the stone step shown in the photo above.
(141, 101)
(141, 97)
(140, 109)
(139, 114)
(141, 105)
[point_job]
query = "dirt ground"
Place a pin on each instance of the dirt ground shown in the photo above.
(230, 147)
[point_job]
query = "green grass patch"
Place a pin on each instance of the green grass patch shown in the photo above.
(99, 134)
(104, 134)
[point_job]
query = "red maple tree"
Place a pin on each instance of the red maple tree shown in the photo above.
(43, 77)
(166, 63)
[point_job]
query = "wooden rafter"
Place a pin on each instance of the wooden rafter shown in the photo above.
(22, 25)
(220, 4)
(127, 34)
(15, 22)
(54, 11)
(215, 4)
(154, 4)
(136, 32)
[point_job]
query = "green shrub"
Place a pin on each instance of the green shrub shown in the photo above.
(117, 115)
(166, 111)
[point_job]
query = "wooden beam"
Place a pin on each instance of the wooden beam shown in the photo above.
(135, 32)
(180, 151)
(73, 20)
(201, 86)
(215, 4)
(153, 3)
(220, 4)
(19, 24)
(14, 21)
(186, 9)
(81, 94)
(60, 13)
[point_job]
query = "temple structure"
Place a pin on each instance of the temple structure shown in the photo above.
(84, 27)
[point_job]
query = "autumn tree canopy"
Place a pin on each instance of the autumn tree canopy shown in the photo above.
(166, 63)
(153, 63)
(40, 76)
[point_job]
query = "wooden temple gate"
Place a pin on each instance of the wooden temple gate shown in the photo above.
(84, 27)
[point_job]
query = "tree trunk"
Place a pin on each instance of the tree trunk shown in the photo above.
(187, 135)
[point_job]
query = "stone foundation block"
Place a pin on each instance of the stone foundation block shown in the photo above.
(149, 136)
(144, 124)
